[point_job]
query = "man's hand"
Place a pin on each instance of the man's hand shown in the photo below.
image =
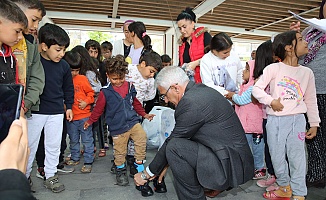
(311, 133)
(69, 115)
(14, 149)
(276, 105)
(149, 116)
(81, 104)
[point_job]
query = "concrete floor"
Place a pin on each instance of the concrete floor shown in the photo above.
(101, 185)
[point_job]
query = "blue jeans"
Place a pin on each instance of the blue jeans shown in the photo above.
(257, 151)
(76, 130)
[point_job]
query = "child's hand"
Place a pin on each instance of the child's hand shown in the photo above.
(311, 133)
(149, 116)
(86, 125)
(276, 105)
(69, 115)
(229, 95)
(295, 26)
(82, 104)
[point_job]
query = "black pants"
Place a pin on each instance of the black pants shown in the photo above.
(268, 159)
(98, 131)
(40, 153)
(316, 147)
(182, 157)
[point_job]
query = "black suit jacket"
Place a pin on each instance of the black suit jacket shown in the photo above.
(224, 157)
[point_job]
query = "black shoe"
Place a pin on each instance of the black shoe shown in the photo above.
(121, 176)
(159, 187)
(113, 168)
(130, 160)
(146, 190)
(133, 170)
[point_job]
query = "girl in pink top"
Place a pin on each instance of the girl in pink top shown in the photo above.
(292, 93)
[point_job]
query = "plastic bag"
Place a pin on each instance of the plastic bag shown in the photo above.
(160, 127)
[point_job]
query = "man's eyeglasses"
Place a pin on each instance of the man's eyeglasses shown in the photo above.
(162, 96)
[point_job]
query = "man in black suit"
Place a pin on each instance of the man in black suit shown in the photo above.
(207, 150)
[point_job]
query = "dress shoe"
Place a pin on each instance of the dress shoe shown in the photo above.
(146, 190)
(159, 187)
(211, 193)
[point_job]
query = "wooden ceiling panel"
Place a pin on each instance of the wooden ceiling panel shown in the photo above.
(264, 15)
(82, 23)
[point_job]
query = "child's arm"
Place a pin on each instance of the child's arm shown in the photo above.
(89, 95)
(140, 110)
(243, 99)
(310, 100)
(97, 110)
(258, 90)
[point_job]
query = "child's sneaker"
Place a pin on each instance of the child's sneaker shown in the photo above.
(64, 169)
(282, 192)
(40, 173)
(72, 162)
(53, 184)
(86, 169)
(113, 168)
(121, 176)
(272, 187)
(259, 174)
(270, 180)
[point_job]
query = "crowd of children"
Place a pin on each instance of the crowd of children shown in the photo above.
(95, 94)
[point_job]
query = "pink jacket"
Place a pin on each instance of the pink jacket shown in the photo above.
(250, 115)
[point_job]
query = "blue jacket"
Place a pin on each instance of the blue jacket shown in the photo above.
(120, 114)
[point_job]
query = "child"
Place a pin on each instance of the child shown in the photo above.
(58, 90)
(12, 22)
(89, 69)
(292, 93)
(265, 57)
(84, 97)
(142, 77)
(121, 106)
(140, 40)
(221, 68)
(106, 50)
(166, 60)
(251, 118)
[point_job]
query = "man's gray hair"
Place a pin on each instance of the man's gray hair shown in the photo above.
(171, 75)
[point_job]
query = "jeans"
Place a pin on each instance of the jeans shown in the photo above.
(257, 151)
(75, 131)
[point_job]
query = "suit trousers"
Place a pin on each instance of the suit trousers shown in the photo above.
(182, 155)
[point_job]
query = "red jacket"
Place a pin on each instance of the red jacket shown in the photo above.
(196, 50)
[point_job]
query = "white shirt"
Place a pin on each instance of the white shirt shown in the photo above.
(145, 88)
(221, 75)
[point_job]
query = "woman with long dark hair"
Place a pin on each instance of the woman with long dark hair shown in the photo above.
(192, 42)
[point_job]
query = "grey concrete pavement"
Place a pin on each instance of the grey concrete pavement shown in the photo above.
(101, 185)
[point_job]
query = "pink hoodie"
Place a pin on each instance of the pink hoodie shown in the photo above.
(250, 115)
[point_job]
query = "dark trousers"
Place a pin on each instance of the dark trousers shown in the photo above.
(182, 157)
(268, 159)
(98, 131)
(40, 153)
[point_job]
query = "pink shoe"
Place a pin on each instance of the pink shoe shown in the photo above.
(272, 187)
(270, 180)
